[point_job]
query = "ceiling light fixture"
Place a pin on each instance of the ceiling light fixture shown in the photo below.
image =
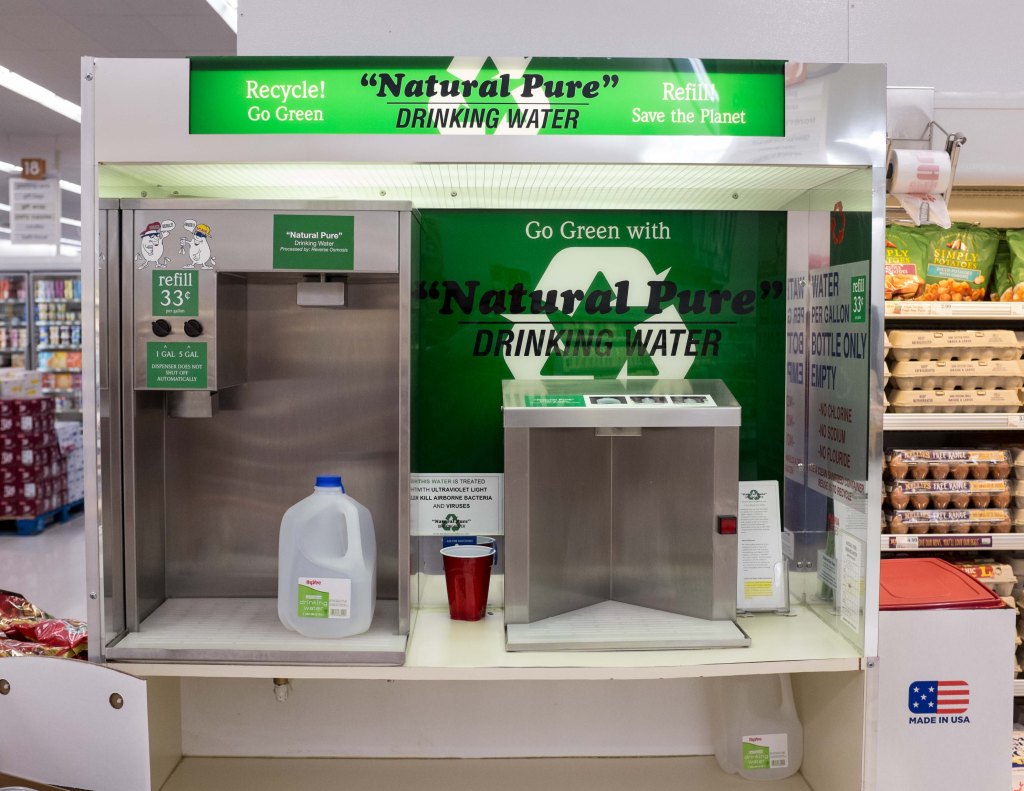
(37, 93)
(226, 10)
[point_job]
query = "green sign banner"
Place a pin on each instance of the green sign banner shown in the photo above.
(313, 241)
(594, 295)
(555, 401)
(176, 366)
(176, 293)
(467, 95)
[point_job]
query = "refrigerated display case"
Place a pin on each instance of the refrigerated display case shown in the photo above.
(14, 319)
(57, 338)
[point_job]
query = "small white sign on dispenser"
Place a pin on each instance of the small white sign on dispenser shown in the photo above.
(761, 579)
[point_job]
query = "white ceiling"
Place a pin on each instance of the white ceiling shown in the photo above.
(45, 40)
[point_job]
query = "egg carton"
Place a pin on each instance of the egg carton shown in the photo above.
(958, 375)
(941, 463)
(952, 493)
(997, 577)
(968, 520)
(952, 401)
(1017, 459)
(886, 374)
(948, 345)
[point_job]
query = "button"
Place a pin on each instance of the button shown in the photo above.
(727, 525)
(193, 328)
(161, 328)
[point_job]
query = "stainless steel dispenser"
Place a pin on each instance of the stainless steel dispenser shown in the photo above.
(618, 499)
(285, 327)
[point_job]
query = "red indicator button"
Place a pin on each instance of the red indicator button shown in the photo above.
(727, 525)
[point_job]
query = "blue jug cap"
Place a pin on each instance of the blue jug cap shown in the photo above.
(330, 481)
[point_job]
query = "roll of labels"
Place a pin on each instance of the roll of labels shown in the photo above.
(919, 178)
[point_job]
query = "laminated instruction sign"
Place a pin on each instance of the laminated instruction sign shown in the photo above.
(530, 295)
(837, 376)
(176, 366)
(483, 95)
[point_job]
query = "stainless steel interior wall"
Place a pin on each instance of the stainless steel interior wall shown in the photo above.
(322, 396)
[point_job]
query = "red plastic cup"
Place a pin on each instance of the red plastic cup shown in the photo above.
(467, 575)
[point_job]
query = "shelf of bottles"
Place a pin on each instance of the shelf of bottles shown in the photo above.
(57, 328)
(14, 325)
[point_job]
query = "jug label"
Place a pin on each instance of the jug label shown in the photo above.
(325, 598)
(766, 751)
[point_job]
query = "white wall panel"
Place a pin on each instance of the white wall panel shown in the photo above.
(467, 719)
(784, 29)
(941, 43)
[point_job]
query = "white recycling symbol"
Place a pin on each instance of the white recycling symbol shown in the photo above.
(466, 68)
(575, 265)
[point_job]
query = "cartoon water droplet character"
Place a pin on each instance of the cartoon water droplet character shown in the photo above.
(151, 245)
(198, 248)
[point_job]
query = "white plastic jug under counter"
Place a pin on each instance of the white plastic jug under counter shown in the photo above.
(756, 729)
(327, 564)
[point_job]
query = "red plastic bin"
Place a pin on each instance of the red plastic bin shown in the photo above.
(931, 584)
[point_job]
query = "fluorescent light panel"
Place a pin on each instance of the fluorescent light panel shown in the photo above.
(37, 93)
(64, 220)
(226, 10)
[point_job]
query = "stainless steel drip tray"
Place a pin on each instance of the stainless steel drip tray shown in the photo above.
(614, 625)
(248, 631)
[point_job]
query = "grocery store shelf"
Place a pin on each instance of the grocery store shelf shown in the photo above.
(58, 324)
(954, 311)
(1018, 688)
(945, 542)
(957, 421)
(689, 773)
(67, 347)
(441, 649)
(61, 370)
(55, 300)
(61, 390)
(12, 302)
(13, 350)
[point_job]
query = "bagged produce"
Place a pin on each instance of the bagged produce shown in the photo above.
(1008, 278)
(959, 263)
(906, 249)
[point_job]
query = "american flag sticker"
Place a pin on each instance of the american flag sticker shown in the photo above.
(939, 697)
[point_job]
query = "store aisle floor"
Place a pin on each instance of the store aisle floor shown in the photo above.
(48, 569)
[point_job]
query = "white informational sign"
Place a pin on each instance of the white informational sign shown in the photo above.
(945, 699)
(457, 504)
(35, 211)
(837, 376)
(760, 581)
(851, 554)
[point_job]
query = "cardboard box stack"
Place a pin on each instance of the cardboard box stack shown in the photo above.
(33, 476)
(69, 438)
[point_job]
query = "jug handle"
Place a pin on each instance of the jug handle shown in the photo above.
(355, 541)
(786, 688)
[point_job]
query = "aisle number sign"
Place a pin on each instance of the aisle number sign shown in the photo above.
(480, 95)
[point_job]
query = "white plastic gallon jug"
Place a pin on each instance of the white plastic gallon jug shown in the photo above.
(327, 564)
(755, 726)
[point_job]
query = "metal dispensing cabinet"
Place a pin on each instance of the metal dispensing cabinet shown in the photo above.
(249, 346)
(620, 514)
